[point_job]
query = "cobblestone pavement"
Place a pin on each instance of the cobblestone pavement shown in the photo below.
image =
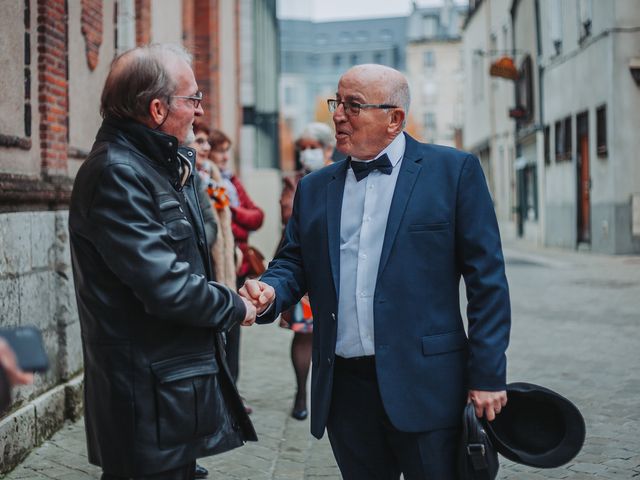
(576, 330)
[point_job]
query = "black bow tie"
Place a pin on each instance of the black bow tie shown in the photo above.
(362, 169)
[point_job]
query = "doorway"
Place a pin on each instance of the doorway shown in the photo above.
(584, 179)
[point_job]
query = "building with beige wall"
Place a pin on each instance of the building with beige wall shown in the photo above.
(435, 73)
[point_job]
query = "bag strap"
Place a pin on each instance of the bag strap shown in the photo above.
(475, 447)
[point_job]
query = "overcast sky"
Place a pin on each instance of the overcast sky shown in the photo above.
(323, 10)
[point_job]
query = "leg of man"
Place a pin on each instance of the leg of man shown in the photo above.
(426, 455)
(182, 473)
(355, 424)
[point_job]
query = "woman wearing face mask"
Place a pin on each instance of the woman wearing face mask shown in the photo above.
(314, 148)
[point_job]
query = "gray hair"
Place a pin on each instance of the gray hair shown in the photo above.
(401, 96)
(137, 77)
(320, 132)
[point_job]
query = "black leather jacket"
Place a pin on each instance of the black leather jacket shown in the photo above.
(158, 393)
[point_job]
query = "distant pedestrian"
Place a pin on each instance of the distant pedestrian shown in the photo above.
(157, 392)
(246, 217)
(314, 148)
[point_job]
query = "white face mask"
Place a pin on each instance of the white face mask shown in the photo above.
(312, 159)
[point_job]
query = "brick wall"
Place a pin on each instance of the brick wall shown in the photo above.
(143, 22)
(206, 57)
(92, 30)
(53, 85)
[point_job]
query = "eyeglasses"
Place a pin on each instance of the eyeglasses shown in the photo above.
(196, 99)
(353, 108)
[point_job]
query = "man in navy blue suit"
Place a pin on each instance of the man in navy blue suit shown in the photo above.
(380, 242)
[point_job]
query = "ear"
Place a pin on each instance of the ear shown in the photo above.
(395, 123)
(157, 111)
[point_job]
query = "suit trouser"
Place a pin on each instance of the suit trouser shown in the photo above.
(182, 473)
(367, 445)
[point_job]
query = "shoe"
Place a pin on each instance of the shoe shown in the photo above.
(201, 472)
(300, 414)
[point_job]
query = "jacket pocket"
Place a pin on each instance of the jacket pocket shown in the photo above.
(188, 398)
(444, 343)
(429, 227)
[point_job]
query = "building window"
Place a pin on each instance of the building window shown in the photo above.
(337, 60)
(353, 59)
(429, 59)
(322, 39)
(563, 139)
(547, 146)
(478, 73)
(362, 36)
(386, 35)
(601, 133)
(312, 60)
(430, 121)
(430, 26)
(378, 57)
(524, 89)
(289, 95)
(345, 37)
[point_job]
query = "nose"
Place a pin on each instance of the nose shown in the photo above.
(199, 111)
(339, 113)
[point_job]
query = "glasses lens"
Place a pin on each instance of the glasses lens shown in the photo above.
(352, 108)
(332, 105)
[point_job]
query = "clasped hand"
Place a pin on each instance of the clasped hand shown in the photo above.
(258, 295)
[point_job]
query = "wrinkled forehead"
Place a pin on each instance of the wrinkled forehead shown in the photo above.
(364, 85)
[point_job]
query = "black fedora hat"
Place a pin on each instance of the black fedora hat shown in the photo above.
(538, 427)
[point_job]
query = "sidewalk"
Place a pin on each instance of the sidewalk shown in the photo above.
(576, 330)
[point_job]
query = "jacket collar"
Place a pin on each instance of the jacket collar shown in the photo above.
(157, 146)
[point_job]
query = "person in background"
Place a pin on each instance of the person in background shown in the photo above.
(10, 374)
(314, 148)
(246, 217)
(223, 249)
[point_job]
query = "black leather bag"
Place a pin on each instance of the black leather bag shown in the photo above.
(477, 458)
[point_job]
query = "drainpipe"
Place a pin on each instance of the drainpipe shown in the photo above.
(540, 131)
(519, 207)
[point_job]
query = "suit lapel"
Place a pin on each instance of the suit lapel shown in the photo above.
(407, 177)
(335, 192)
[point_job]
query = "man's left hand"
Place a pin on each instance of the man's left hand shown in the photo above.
(487, 404)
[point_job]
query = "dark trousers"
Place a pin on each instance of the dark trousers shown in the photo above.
(367, 445)
(182, 473)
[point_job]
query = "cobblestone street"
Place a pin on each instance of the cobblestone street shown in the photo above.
(575, 330)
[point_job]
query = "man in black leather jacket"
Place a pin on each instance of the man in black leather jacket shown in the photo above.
(158, 393)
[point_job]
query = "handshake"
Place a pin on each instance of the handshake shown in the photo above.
(257, 297)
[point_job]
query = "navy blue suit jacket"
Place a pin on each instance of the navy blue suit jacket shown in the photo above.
(441, 226)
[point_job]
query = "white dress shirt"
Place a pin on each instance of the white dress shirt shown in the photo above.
(365, 208)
